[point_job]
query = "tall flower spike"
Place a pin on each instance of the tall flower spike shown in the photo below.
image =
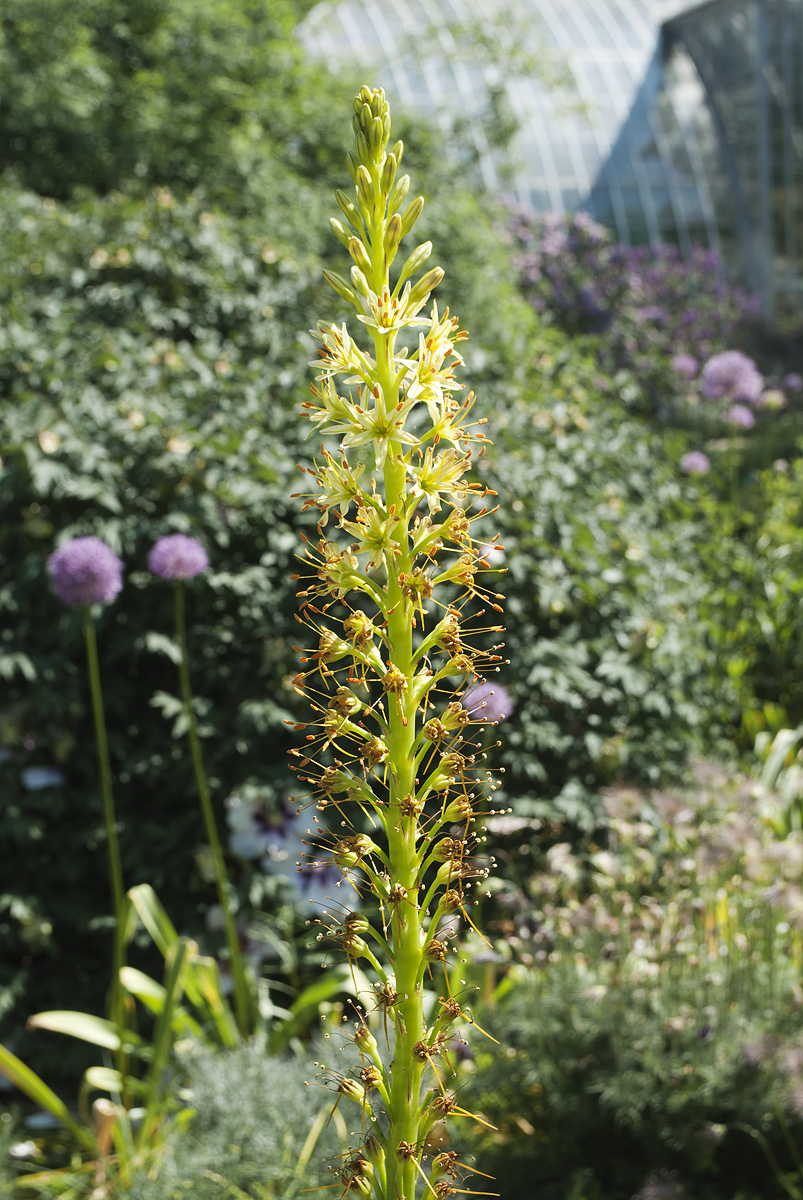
(402, 626)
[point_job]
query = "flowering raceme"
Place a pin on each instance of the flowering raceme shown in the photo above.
(393, 674)
(85, 571)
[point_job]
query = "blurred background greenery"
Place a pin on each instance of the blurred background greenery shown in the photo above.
(168, 174)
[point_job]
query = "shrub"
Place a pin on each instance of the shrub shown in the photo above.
(653, 1023)
(256, 1117)
(651, 303)
(147, 369)
(608, 672)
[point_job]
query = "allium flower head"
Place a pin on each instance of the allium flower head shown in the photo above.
(685, 365)
(741, 416)
(177, 556)
(85, 571)
(695, 463)
(793, 382)
(487, 702)
(731, 376)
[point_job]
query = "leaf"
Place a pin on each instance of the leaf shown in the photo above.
(86, 1027)
(106, 1079)
(79, 1025)
(204, 974)
(151, 993)
(153, 916)
(157, 643)
(37, 1090)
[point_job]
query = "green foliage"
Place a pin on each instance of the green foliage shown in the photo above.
(185, 92)
(147, 366)
(609, 673)
(254, 1130)
(655, 1029)
(752, 553)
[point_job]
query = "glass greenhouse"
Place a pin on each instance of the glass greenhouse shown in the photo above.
(668, 123)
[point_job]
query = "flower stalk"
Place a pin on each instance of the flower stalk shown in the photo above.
(402, 629)
(242, 991)
(119, 903)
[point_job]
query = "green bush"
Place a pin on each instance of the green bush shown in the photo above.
(609, 674)
(149, 365)
(249, 1137)
(651, 1028)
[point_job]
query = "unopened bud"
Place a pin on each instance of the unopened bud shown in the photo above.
(356, 249)
(425, 285)
(411, 214)
(339, 285)
(417, 259)
(376, 136)
(400, 190)
(359, 281)
(349, 209)
(365, 189)
(339, 230)
(393, 234)
(363, 151)
(389, 173)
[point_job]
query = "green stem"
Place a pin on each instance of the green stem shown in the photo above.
(117, 999)
(241, 989)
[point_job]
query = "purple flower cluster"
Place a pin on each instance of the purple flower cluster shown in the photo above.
(661, 313)
(487, 702)
(740, 416)
(731, 376)
(695, 463)
(177, 556)
(85, 571)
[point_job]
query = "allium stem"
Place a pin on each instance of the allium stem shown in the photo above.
(242, 996)
(110, 821)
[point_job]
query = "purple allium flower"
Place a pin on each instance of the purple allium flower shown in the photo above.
(487, 702)
(695, 463)
(85, 571)
(685, 365)
(793, 382)
(731, 376)
(177, 557)
(741, 416)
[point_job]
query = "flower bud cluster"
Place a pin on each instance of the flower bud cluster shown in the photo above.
(402, 628)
